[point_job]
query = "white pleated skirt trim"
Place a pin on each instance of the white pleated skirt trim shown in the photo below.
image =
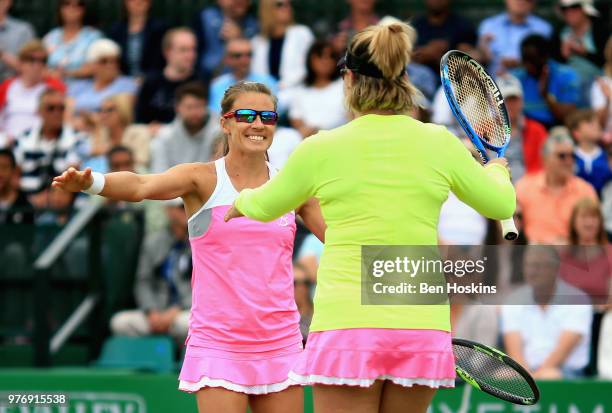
(343, 381)
(259, 389)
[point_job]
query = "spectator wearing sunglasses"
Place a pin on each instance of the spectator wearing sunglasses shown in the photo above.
(281, 47)
(49, 148)
(556, 188)
(238, 58)
(14, 34)
(19, 95)
(188, 138)
(68, 44)
(87, 94)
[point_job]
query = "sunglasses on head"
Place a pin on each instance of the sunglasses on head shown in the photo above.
(267, 117)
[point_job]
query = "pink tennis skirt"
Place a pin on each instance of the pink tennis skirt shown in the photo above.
(245, 372)
(360, 356)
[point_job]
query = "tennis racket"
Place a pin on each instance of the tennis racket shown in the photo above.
(479, 107)
(493, 372)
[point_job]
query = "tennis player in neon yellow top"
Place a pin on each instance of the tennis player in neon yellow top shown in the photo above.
(381, 179)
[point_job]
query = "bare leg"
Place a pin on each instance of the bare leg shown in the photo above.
(347, 399)
(415, 399)
(290, 400)
(219, 400)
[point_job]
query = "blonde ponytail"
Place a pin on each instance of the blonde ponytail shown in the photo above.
(389, 47)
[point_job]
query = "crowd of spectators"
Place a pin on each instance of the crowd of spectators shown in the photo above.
(143, 95)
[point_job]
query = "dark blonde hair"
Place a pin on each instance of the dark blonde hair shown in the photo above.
(389, 47)
(578, 116)
(233, 92)
(591, 207)
(32, 46)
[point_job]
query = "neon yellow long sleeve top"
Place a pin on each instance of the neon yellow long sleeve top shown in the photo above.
(380, 180)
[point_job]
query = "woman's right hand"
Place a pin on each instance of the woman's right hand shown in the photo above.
(73, 180)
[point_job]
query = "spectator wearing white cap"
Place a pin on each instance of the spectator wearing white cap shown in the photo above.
(581, 41)
(528, 136)
(87, 95)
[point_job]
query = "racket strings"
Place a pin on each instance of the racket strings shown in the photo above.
(493, 372)
(477, 102)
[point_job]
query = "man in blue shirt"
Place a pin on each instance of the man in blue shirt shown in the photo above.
(238, 55)
(500, 36)
(551, 89)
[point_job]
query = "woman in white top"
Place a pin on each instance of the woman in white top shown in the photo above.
(319, 103)
(281, 46)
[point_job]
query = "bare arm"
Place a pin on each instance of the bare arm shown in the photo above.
(514, 347)
(310, 212)
(127, 186)
(568, 340)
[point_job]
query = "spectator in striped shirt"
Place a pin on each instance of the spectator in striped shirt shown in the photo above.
(46, 150)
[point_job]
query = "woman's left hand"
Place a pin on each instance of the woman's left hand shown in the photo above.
(232, 213)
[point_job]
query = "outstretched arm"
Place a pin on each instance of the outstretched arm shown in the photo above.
(127, 186)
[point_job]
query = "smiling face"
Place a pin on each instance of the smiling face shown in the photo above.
(250, 137)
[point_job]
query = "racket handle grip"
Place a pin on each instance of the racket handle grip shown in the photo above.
(509, 229)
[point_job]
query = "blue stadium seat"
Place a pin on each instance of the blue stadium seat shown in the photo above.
(152, 353)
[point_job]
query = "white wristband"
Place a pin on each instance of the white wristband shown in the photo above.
(97, 185)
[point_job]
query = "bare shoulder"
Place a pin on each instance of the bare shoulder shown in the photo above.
(204, 175)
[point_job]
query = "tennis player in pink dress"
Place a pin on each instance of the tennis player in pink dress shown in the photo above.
(244, 335)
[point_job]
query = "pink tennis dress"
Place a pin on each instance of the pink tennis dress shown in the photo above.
(244, 327)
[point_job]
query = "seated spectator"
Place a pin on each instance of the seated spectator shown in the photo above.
(555, 342)
(580, 43)
(14, 205)
(500, 36)
(120, 159)
(587, 263)
(163, 283)
(319, 103)
(591, 160)
(281, 46)
(551, 89)
(19, 95)
(361, 15)
(528, 136)
(556, 189)
(87, 95)
(58, 207)
(188, 137)
(48, 149)
(601, 94)
(238, 56)
(112, 126)
(155, 103)
(440, 30)
(14, 33)
(285, 141)
(139, 35)
(67, 44)
(215, 26)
